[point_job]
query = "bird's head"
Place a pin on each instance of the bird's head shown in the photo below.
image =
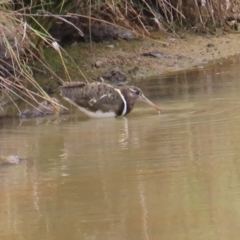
(136, 94)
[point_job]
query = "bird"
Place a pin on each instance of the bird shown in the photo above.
(98, 99)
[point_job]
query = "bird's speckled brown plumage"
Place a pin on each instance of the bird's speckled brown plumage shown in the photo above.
(102, 97)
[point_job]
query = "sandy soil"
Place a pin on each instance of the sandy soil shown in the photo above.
(175, 53)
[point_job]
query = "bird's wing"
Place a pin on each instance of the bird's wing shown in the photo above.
(94, 97)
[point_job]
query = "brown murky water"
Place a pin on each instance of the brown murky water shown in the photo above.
(146, 176)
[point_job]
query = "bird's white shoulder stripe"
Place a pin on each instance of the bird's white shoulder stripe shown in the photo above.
(124, 102)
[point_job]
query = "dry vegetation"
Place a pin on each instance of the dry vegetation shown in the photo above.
(25, 25)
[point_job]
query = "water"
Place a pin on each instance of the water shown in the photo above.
(146, 176)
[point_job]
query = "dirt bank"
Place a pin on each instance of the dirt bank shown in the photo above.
(172, 54)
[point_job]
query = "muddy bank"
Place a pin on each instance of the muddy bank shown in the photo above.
(147, 57)
(139, 60)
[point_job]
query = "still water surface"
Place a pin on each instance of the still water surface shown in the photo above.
(147, 176)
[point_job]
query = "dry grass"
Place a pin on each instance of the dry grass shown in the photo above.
(142, 15)
(20, 44)
(16, 50)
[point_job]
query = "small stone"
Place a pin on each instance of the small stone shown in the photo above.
(98, 64)
(210, 45)
(11, 159)
(110, 46)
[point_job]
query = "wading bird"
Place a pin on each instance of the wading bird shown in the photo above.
(103, 100)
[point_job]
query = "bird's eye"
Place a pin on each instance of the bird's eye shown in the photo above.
(137, 91)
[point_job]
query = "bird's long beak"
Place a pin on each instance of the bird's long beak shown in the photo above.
(144, 99)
